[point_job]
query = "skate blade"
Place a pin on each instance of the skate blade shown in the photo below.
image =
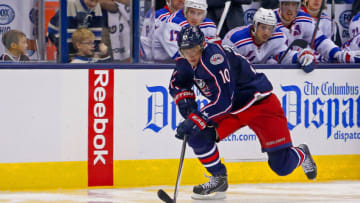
(212, 196)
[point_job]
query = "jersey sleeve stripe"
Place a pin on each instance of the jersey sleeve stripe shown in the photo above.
(243, 44)
(319, 40)
(243, 41)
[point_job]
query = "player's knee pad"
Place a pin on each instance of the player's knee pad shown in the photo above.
(202, 141)
(283, 161)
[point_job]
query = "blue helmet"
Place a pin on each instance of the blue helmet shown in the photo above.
(190, 37)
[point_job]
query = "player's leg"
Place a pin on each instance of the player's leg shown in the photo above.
(206, 150)
(271, 126)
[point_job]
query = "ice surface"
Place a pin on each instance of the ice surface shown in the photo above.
(311, 192)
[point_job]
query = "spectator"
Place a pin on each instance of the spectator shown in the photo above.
(16, 44)
(80, 14)
(83, 41)
(235, 16)
(117, 28)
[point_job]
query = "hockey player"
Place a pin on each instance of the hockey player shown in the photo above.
(296, 24)
(151, 25)
(312, 7)
(238, 96)
(260, 42)
(354, 29)
(194, 13)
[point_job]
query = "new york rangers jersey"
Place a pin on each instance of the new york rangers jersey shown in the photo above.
(224, 77)
(242, 41)
(353, 44)
(165, 38)
(302, 27)
(354, 27)
(150, 25)
(325, 23)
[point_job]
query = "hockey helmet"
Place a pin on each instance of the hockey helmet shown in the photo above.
(264, 16)
(190, 37)
(198, 4)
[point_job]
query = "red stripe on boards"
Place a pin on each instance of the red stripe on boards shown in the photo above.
(100, 128)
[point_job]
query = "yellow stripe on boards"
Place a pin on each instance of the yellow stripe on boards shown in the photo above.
(142, 173)
(43, 175)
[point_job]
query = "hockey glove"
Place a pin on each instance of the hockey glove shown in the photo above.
(192, 126)
(186, 103)
(348, 56)
(307, 60)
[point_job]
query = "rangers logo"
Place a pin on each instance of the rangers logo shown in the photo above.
(7, 14)
(216, 59)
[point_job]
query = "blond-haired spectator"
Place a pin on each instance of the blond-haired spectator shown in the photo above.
(83, 42)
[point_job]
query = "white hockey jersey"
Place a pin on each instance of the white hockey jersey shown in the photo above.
(242, 41)
(150, 25)
(325, 24)
(354, 27)
(165, 38)
(353, 44)
(302, 27)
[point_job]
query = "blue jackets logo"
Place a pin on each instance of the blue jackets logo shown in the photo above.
(7, 14)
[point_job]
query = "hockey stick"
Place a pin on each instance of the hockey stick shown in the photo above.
(223, 17)
(332, 20)
(312, 45)
(161, 193)
(298, 42)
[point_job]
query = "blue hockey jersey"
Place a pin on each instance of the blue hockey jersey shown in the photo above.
(225, 78)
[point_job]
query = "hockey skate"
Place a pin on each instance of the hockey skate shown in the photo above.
(214, 189)
(308, 164)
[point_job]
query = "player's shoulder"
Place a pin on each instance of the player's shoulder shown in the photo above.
(277, 34)
(356, 17)
(207, 23)
(162, 13)
(324, 16)
(177, 17)
(213, 55)
(232, 34)
(240, 36)
(303, 17)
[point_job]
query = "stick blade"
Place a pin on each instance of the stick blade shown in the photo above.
(164, 196)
